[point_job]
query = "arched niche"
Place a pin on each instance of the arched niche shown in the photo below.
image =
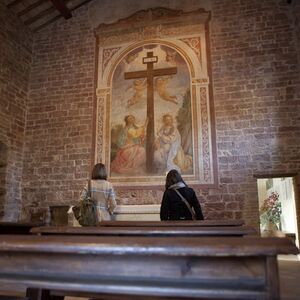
(175, 39)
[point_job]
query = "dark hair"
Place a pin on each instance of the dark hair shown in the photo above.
(173, 177)
(99, 171)
(167, 116)
(126, 121)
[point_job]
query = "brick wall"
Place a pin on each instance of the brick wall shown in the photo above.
(295, 19)
(255, 80)
(256, 77)
(15, 59)
(59, 125)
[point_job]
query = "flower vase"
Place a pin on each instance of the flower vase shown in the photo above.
(270, 229)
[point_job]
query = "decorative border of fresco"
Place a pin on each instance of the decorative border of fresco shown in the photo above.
(187, 33)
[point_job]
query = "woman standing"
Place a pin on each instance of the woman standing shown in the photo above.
(102, 192)
(179, 201)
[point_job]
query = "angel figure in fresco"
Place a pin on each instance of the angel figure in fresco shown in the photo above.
(170, 56)
(131, 155)
(131, 57)
(139, 85)
(161, 88)
(168, 152)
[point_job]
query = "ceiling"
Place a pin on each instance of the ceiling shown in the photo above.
(37, 14)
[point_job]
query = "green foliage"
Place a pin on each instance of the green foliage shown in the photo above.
(270, 211)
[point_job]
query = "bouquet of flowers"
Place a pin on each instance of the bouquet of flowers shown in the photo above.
(270, 211)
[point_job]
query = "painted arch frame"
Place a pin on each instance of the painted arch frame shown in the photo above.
(193, 48)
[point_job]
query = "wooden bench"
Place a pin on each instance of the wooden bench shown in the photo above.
(205, 267)
(13, 298)
(17, 228)
(147, 231)
(204, 223)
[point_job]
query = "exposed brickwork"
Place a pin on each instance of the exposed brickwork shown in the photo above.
(295, 17)
(59, 124)
(3, 166)
(15, 60)
(256, 94)
(256, 78)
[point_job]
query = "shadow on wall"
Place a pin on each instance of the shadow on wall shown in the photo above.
(3, 163)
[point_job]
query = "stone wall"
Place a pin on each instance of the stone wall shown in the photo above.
(255, 76)
(15, 60)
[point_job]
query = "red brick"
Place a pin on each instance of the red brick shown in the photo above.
(15, 59)
(255, 80)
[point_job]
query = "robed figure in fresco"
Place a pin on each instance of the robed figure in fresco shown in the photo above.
(131, 156)
(169, 154)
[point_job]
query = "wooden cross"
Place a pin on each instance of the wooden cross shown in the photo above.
(150, 73)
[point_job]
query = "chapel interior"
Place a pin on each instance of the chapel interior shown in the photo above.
(225, 74)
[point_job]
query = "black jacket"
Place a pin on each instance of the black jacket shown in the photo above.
(173, 208)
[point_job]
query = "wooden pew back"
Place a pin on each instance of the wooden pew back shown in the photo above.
(147, 231)
(215, 267)
(17, 228)
(203, 223)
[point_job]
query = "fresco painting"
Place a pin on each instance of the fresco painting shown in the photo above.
(154, 99)
(172, 144)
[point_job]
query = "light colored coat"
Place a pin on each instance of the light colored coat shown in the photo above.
(103, 193)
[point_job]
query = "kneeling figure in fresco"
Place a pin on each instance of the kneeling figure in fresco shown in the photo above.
(168, 153)
(131, 155)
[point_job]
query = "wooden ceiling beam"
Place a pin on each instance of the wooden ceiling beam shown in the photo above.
(39, 16)
(13, 3)
(81, 4)
(61, 6)
(57, 17)
(47, 23)
(31, 7)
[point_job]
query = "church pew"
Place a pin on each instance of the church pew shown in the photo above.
(206, 267)
(202, 223)
(17, 228)
(13, 298)
(147, 231)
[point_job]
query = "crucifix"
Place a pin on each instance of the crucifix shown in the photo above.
(150, 73)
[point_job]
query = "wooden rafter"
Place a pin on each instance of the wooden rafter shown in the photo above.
(40, 15)
(57, 17)
(31, 7)
(60, 5)
(47, 23)
(81, 4)
(13, 3)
